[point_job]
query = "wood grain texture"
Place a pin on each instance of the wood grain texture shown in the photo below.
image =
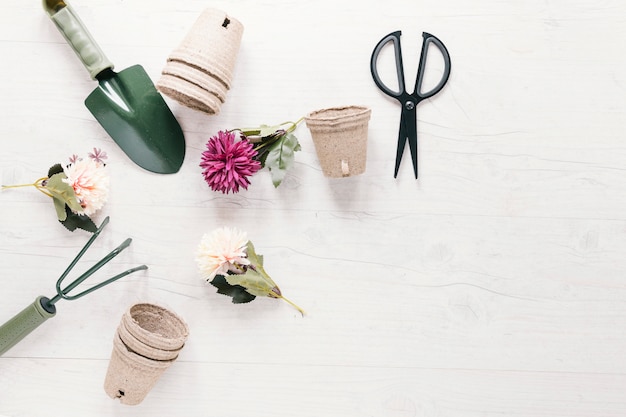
(493, 285)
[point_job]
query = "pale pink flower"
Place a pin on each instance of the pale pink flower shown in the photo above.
(222, 250)
(90, 181)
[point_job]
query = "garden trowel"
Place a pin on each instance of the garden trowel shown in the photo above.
(126, 104)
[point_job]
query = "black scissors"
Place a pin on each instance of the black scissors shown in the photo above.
(409, 102)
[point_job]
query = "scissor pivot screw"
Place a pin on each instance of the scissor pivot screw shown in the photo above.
(409, 105)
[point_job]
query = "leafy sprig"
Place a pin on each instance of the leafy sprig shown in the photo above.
(252, 282)
(65, 202)
(70, 209)
(276, 146)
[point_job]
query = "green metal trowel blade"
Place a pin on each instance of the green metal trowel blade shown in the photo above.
(135, 115)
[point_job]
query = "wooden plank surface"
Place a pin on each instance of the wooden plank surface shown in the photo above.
(493, 285)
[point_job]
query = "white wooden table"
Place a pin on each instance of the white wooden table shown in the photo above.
(493, 285)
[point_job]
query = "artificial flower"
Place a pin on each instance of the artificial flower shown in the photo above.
(90, 181)
(221, 251)
(227, 259)
(234, 155)
(78, 189)
(228, 163)
(98, 155)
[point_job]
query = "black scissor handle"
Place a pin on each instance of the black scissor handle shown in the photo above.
(428, 38)
(395, 38)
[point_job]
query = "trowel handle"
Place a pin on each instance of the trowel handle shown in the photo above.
(24, 322)
(77, 35)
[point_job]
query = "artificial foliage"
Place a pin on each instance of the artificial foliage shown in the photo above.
(77, 189)
(228, 260)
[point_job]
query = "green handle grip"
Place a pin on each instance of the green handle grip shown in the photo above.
(24, 322)
(77, 35)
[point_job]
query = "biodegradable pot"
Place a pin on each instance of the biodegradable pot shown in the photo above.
(144, 349)
(340, 138)
(156, 326)
(147, 341)
(199, 72)
(130, 376)
(192, 87)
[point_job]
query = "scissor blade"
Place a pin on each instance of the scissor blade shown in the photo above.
(407, 133)
(401, 145)
(411, 133)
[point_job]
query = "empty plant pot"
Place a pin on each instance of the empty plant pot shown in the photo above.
(147, 341)
(139, 347)
(199, 72)
(156, 326)
(340, 138)
(130, 376)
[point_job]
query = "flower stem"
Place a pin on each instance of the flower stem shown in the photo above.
(292, 304)
(19, 185)
(261, 145)
(293, 125)
(37, 184)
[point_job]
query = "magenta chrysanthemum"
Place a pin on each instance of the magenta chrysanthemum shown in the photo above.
(227, 163)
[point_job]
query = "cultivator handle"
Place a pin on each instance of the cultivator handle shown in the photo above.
(25, 322)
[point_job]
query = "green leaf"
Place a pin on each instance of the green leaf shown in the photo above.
(245, 287)
(62, 191)
(65, 202)
(255, 280)
(281, 157)
(247, 131)
(237, 292)
(253, 257)
(59, 206)
(268, 130)
(263, 130)
(75, 221)
(55, 169)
